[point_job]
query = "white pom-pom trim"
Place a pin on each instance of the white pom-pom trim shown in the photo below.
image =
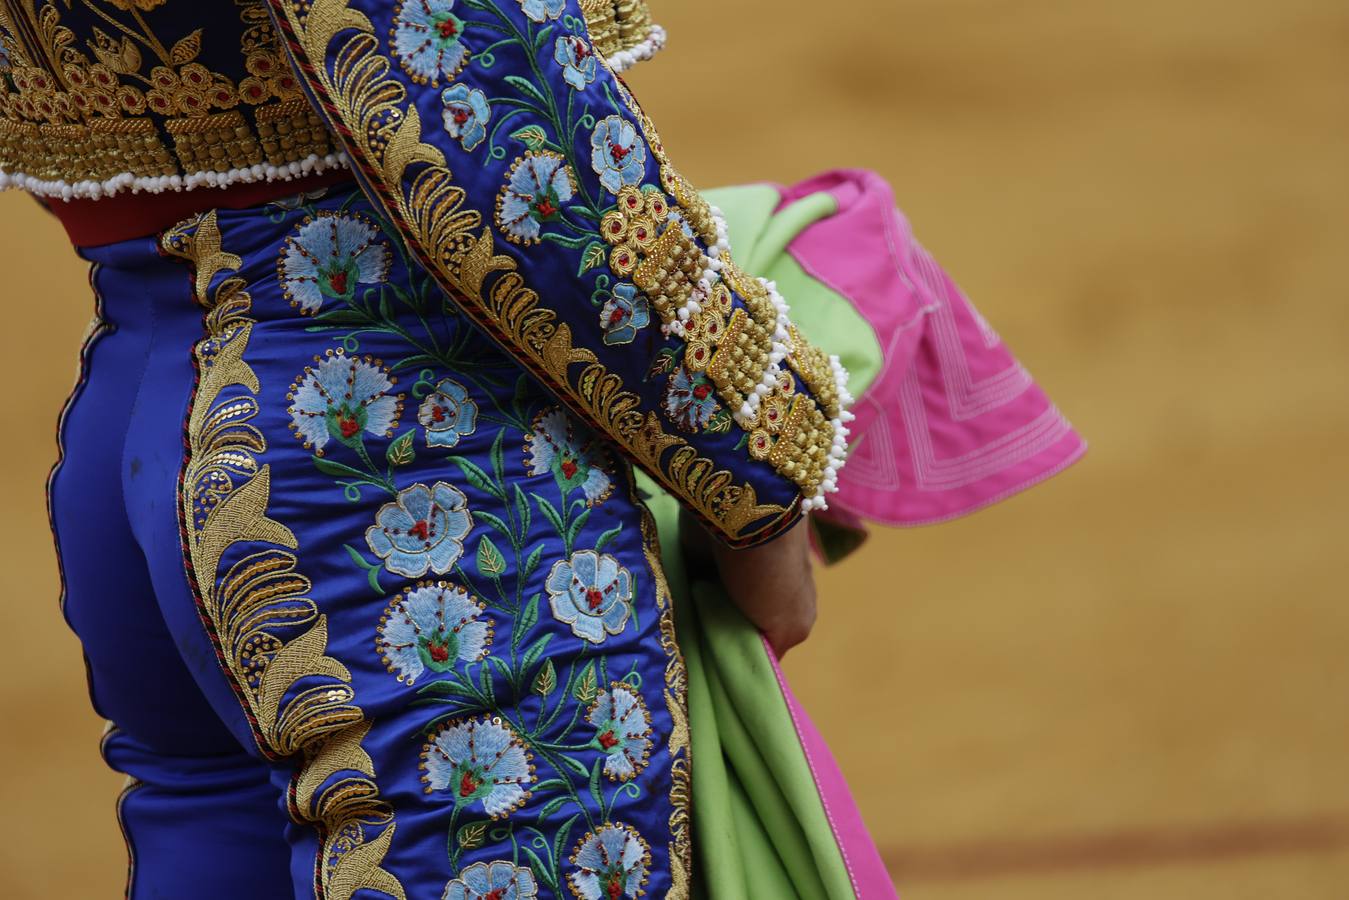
(158, 184)
(838, 450)
(626, 59)
(782, 345)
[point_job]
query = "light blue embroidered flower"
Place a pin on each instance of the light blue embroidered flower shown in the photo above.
(577, 59)
(622, 729)
(560, 445)
(428, 40)
(479, 760)
(329, 256)
(690, 400)
(592, 593)
(343, 397)
(543, 10)
(538, 184)
(497, 880)
(435, 627)
(613, 863)
(624, 314)
(466, 114)
(617, 153)
(448, 414)
(423, 529)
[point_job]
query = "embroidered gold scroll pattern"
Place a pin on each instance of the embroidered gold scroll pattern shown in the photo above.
(271, 637)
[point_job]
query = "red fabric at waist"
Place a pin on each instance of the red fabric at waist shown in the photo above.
(125, 216)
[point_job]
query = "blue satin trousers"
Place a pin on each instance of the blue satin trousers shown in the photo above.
(368, 613)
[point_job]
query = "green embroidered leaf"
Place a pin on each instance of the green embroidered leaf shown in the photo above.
(372, 570)
(595, 782)
(546, 681)
(549, 784)
(521, 509)
(563, 838)
(500, 665)
(595, 255)
(666, 361)
(607, 537)
(485, 683)
(400, 452)
(575, 764)
(550, 513)
(551, 807)
(720, 423)
(587, 689)
(532, 561)
(337, 469)
(446, 687)
(540, 870)
(490, 561)
(473, 835)
(576, 525)
(498, 464)
(535, 651)
(495, 521)
(477, 477)
(532, 136)
(526, 620)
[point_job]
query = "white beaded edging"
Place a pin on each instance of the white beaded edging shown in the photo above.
(158, 184)
(626, 59)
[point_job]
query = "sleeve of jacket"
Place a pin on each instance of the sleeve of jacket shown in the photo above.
(528, 181)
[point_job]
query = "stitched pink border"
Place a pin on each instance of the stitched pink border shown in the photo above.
(866, 870)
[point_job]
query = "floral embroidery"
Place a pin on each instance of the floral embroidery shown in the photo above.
(617, 153)
(592, 593)
(613, 863)
(622, 729)
(435, 627)
(479, 760)
(466, 114)
(343, 397)
(574, 455)
(328, 257)
(624, 314)
(690, 399)
(428, 40)
(543, 10)
(577, 58)
(423, 529)
(497, 880)
(537, 186)
(448, 414)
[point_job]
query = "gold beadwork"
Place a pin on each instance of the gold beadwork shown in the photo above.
(79, 107)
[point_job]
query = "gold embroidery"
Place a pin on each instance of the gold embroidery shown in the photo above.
(272, 639)
(676, 702)
(415, 187)
(115, 97)
(616, 25)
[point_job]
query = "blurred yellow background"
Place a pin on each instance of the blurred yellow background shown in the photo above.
(1129, 683)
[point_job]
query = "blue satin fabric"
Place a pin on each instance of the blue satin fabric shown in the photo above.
(471, 624)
